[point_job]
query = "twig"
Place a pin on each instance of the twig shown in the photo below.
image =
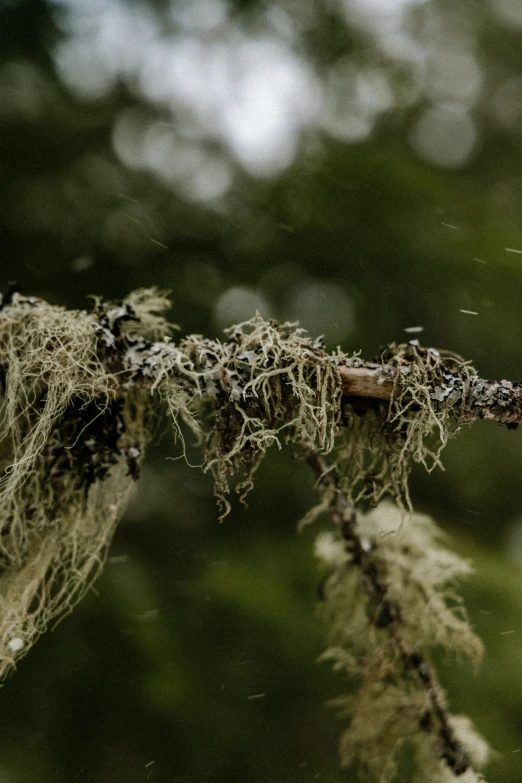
(498, 400)
(387, 615)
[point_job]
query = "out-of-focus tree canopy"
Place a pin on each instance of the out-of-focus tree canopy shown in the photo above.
(351, 164)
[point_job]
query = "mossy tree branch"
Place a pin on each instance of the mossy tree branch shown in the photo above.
(78, 391)
(386, 615)
(500, 401)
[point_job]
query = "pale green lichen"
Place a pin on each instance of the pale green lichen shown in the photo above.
(430, 769)
(430, 389)
(417, 574)
(148, 306)
(75, 391)
(267, 383)
(64, 463)
(76, 387)
(50, 359)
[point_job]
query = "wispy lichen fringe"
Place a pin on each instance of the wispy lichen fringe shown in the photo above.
(66, 445)
(423, 611)
(58, 565)
(265, 384)
(49, 356)
(75, 387)
(431, 389)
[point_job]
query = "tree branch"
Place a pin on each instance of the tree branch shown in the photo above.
(385, 614)
(80, 384)
(497, 400)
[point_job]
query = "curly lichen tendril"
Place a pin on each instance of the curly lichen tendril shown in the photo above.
(267, 383)
(432, 391)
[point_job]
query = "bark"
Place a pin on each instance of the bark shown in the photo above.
(498, 400)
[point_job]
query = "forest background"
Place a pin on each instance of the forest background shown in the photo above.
(351, 164)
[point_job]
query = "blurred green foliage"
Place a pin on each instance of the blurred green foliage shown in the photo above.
(194, 659)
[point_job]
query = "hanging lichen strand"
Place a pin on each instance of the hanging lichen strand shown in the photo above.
(79, 391)
(429, 397)
(266, 384)
(71, 441)
(388, 598)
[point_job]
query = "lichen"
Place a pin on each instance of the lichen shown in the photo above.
(76, 394)
(48, 357)
(76, 388)
(430, 769)
(430, 390)
(267, 383)
(418, 575)
(68, 449)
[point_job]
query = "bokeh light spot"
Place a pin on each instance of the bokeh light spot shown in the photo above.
(321, 307)
(240, 303)
(444, 136)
